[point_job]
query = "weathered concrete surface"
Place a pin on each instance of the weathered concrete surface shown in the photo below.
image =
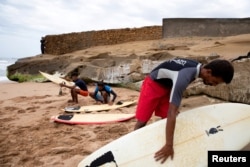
(213, 27)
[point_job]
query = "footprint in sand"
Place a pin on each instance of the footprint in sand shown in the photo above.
(118, 129)
(50, 107)
(19, 99)
(40, 97)
(21, 111)
(32, 109)
(10, 108)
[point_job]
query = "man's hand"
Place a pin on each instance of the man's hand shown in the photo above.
(165, 152)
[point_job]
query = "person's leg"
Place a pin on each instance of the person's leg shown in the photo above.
(91, 94)
(98, 97)
(147, 103)
(74, 95)
(162, 108)
(105, 97)
(83, 92)
(139, 125)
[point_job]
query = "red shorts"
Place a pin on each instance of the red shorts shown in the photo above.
(83, 92)
(153, 98)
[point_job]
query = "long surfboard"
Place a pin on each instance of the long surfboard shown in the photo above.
(92, 118)
(215, 127)
(101, 107)
(56, 79)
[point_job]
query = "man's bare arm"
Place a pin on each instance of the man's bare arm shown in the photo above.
(167, 150)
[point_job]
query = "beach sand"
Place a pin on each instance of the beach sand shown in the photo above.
(29, 138)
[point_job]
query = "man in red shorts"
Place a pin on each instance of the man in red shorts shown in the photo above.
(162, 90)
(80, 87)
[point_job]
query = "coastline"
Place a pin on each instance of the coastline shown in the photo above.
(4, 79)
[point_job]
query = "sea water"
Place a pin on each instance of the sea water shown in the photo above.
(4, 63)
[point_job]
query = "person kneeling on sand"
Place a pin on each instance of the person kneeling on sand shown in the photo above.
(104, 95)
(80, 87)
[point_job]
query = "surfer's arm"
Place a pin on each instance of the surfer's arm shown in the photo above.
(170, 126)
(70, 87)
(167, 150)
(114, 95)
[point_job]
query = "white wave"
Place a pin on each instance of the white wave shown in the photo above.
(4, 61)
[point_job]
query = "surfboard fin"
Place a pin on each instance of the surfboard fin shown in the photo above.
(119, 103)
(103, 159)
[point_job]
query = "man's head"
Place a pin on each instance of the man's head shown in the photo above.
(100, 85)
(74, 76)
(216, 72)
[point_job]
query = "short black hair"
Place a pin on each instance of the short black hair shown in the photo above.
(100, 83)
(221, 68)
(74, 74)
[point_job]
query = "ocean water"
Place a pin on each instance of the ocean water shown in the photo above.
(4, 63)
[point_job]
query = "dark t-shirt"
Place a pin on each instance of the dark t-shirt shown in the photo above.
(176, 74)
(81, 84)
(107, 89)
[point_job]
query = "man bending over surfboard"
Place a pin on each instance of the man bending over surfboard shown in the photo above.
(80, 87)
(104, 96)
(162, 89)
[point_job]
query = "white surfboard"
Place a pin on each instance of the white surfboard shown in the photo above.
(56, 79)
(215, 127)
(92, 118)
(101, 107)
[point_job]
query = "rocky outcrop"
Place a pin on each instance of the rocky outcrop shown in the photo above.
(104, 66)
(127, 64)
(237, 91)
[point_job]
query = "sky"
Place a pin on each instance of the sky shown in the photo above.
(24, 22)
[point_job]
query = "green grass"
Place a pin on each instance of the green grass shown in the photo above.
(19, 77)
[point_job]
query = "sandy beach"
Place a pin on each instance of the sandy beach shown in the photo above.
(29, 137)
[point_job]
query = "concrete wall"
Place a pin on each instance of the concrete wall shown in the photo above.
(66, 43)
(184, 27)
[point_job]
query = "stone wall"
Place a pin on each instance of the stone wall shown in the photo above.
(66, 43)
(213, 27)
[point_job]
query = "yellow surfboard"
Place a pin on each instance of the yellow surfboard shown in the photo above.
(101, 107)
(57, 79)
(92, 118)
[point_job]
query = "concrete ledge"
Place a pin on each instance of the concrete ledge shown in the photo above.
(213, 27)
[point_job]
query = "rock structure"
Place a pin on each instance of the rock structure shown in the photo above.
(237, 91)
(67, 43)
(67, 53)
